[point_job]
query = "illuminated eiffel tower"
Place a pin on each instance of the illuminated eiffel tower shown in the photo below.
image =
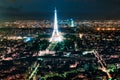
(56, 37)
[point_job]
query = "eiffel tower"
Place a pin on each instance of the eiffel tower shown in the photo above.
(56, 37)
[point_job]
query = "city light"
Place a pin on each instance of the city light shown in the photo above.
(27, 39)
(69, 48)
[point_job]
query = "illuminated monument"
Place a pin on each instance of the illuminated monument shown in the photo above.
(56, 37)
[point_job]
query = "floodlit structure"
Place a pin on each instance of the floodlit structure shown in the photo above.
(72, 23)
(56, 36)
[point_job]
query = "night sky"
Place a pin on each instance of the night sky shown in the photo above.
(43, 9)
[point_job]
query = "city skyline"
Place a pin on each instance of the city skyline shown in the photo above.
(78, 9)
(59, 40)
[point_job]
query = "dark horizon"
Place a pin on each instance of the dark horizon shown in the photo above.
(44, 9)
(42, 16)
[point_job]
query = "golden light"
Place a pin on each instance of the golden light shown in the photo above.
(113, 28)
(98, 29)
(103, 29)
(108, 28)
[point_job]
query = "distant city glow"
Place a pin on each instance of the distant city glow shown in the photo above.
(107, 29)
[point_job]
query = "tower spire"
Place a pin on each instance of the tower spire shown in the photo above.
(56, 37)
